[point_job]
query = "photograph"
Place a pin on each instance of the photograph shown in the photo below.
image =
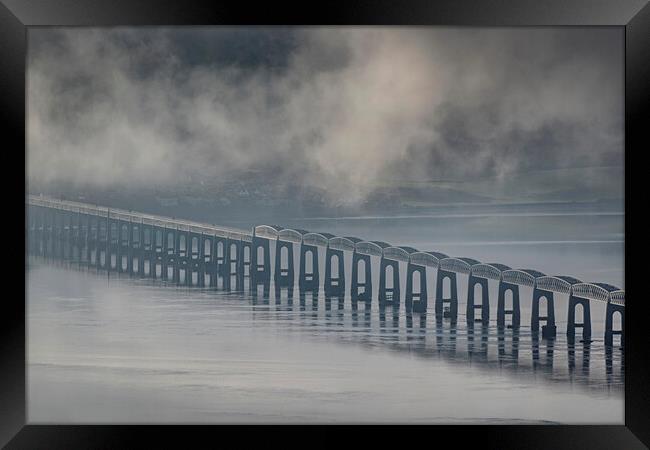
(286, 224)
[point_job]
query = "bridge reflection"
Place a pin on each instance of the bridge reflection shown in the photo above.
(516, 351)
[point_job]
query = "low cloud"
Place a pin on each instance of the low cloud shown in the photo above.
(339, 109)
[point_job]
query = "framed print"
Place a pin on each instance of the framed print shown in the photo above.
(361, 214)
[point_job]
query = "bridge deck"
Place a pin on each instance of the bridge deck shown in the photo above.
(137, 217)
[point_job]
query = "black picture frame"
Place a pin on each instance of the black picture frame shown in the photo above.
(17, 15)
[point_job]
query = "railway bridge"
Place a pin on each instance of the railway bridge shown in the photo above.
(210, 256)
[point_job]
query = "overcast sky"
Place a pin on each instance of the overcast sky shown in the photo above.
(335, 108)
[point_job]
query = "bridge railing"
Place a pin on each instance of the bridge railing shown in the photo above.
(491, 271)
(147, 219)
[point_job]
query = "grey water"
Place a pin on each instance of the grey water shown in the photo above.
(104, 348)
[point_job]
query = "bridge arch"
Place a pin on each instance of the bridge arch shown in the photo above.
(309, 260)
(361, 285)
(267, 231)
(124, 233)
(448, 269)
(479, 276)
(389, 275)
(511, 280)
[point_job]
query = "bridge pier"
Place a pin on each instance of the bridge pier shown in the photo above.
(159, 234)
(260, 265)
(113, 243)
(147, 251)
(124, 247)
(502, 312)
(169, 258)
(116, 246)
(136, 249)
(45, 233)
(183, 257)
(76, 233)
(334, 286)
(74, 237)
(89, 244)
(416, 301)
(57, 235)
(389, 295)
(284, 277)
(30, 232)
(613, 308)
(207, 263)
(309, 281)
(150, 252)
(226, 269)
(104, 244)
(65, 238)
(220, 256)
(84, 238)
(61, 236)
(65, 235)
(93, 240)
(69, 236)
(548, 329)
(441, 301)
(574, 301)
(361, 290)
(37, 236)
(54, 235)
(193, 259)
(233, 251)
(77, 238)
(244, 262)
(484, 307)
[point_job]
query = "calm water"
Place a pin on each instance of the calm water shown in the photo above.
(123, 350)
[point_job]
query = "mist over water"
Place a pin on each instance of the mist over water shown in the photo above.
(342, 110)
(500, 144)
(103, 348)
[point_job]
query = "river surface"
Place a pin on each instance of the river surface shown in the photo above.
(109, 349)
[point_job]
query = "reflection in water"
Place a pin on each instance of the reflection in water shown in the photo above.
(513, 349)
(593, 372)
